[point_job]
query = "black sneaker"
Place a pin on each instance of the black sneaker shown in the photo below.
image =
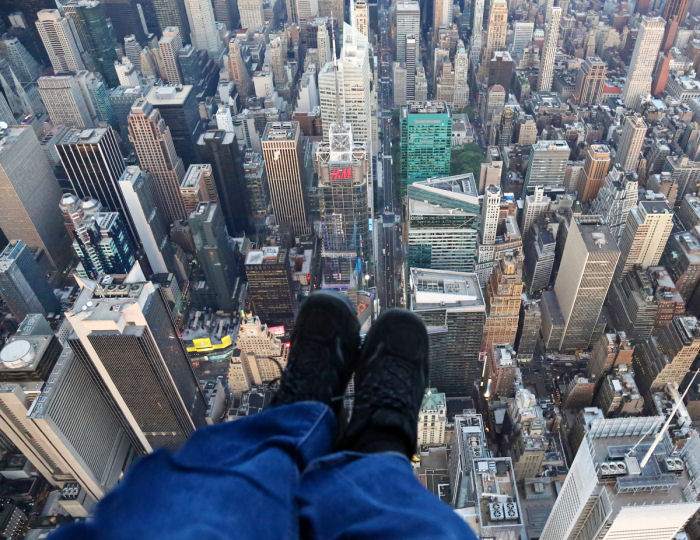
(324, 349)
(390, 380)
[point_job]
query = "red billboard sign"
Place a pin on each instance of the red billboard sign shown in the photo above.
(341, 174)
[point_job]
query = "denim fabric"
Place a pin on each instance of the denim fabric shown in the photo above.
(271, 476)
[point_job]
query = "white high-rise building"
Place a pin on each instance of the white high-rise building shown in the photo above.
(522, 36)
(490, 208)
(461, 94)
(399, 84)
(410, 65)
(476, 40)
(323, 45)
(407, 24)
(136, 187)
(203, 26)
(344, 88)
(615, 200)
(549, 52)
(360, 17)
(643, 241)
(629, 148)
(308, 100)
(60, 38)
(64, 101)
(307, 10)
(607, 494)
(535, 204)
(168, 46)
(251, 13)
(127, 74)
(497, 30)
(442, 14)
(638, 80)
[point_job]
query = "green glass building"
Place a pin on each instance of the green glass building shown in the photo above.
(426, 138)
(443, 223)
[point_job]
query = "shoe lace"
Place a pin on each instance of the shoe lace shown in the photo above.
(391, 387)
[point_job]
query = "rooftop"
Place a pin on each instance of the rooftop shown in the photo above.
(284, 131)
(83, 136)
(169, 95)
(194, 174)
(433, 400)
(425, 107)
(268, 254)
(499, 504)
(596, 236)
(443, 289)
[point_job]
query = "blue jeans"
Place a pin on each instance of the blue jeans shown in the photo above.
(270, 476)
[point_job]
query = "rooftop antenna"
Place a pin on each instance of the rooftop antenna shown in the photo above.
(660, 435)
(664, 429)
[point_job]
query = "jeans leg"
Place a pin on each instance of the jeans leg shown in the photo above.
(371, 496)
(234, 480)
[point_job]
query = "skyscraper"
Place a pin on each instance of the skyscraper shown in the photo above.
(503, 292)
(270, 286)
(443, 222)
(29, 196)
(306, 10)
(590, 81)
(281, 146)
(616, 198)
(23, 286)
(497, 30)
(674, 14)
(60, 38)
(220, 149)
(179, 108)
(361, 17)
(407, 24)
(237, 69)
(93, 163)
(59, 417)
(668, 355)
(588, 264)
(630, 146)
(215, 255)
(461, 94)
(549, 52)
(627, 503)
(171, 13)
(125, 334)
(638, 81)
(168, 46)
(156, 153)
(595, 169)
(452, 307)
(198, 186)
(251, 13)
(205, 35)
(101, 240)
(136, 187)
(547, 164)
(522, 36)
(97, 35)
(64, 101)
(535, 205)
(648, 227)
(539, 257)
(343, 170)
(426, 140)
(344, 88)
(22, 62)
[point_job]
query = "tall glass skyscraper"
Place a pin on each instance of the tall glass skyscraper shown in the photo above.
(426, 139)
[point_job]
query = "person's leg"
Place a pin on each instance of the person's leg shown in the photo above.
(372, 497)
(368, 490)
(234, 480)
(238, 480)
